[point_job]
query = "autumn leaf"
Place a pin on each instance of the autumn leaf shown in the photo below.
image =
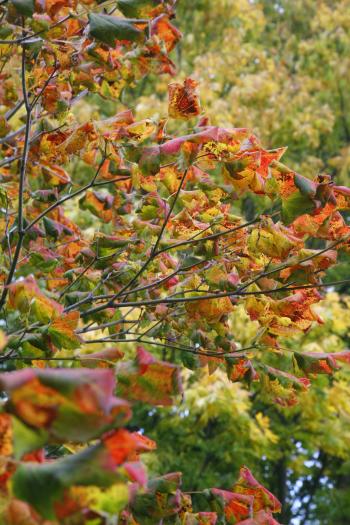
(99, 204)
(44, 486)
(3, 340)
(103, 358)
(273, 240)
(124, 446)
(170, 35)
(26, 296)
(262, 498)
(183, 100)
(143, 8)
(210, 309)
(62, 331)
(149, 380)
(283, 387)
(234, 506)
(73, 405)
(161, 499)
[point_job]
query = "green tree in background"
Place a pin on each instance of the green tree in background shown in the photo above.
(301, 452)
(281, 68)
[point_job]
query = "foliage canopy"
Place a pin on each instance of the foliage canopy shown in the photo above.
(121, 239)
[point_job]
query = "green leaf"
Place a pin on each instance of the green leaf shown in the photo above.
(190, 361)
(38, 486)
(55, 229)
(113, 500)
(134, 8)
(159, 500)
(26, 439)
(107, 29)
(191, 260)
(306, 186)
(42, 485)
(39, 262)
(25, 7)
(234, 167)
(295, 205)
(311, 363)
(149, 162)
(4, 33)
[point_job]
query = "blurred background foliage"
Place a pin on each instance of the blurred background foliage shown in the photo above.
(282, 69)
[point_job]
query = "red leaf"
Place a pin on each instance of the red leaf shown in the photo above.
(263, 499)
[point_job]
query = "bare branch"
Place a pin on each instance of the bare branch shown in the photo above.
(234, 295)
(20, 218)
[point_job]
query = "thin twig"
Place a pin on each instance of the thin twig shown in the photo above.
(82, 273)
(20, 228)
(29, 37)
(46, 83)
(153, 251)
(208, 237)
(233, 294)
(192, 350)
(11, 112)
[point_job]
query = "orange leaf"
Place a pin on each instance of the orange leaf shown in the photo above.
(62, 331)
(248, 485)
(183, 100)
(211, 309)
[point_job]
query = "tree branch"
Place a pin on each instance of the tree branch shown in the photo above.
(20, 218)
(235, 295)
